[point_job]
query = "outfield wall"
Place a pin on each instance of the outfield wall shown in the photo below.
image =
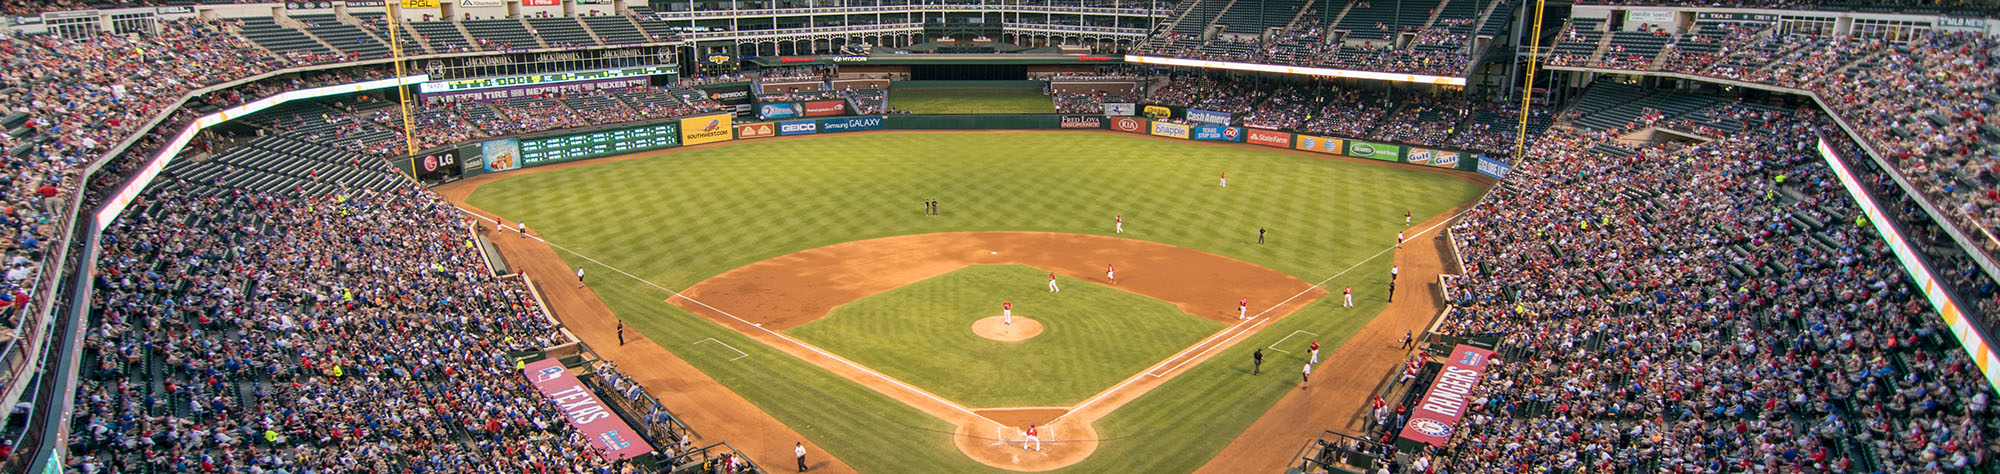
(509, 153)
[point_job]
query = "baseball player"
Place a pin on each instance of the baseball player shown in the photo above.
(1225, 179)
(1052, 283)
(1393, 271)
(1032, 438)
(1243, 308)
(579, 276)
(1399, 239)
(1007, 312)
(1406, 218)
(1315, 350)
(1307, 376)
(1348, 294)
(1120, 222)
(1110, 274)
(799, 451)
(523, 228)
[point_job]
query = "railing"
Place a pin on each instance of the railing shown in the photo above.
(817, 30)
(719, 14)
(1073, 29)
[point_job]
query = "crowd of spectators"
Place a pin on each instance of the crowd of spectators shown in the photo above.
(1424, 120)
(1721, 307)
(358, 332)
(445, 123)
(1305, 43)
(1204, 92)
(1925, 6)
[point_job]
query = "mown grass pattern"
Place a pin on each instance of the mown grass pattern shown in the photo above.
(972, 100)
(1093, 336)
(681, 217)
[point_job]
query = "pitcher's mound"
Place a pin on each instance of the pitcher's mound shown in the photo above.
(992, 328)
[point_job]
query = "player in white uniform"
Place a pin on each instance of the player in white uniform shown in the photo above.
(1032, 439)
(1110, 274)
(1225, 180)
(1243, 308)
(1349, 295)
(1052, 283)
(1120, 222)
(1007, 312)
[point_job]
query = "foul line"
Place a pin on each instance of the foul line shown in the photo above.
(1258, 319)
(760, 327)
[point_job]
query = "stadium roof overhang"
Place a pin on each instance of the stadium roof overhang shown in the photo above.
(937, 59)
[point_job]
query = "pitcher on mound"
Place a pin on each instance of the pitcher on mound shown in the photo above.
(1007, 312)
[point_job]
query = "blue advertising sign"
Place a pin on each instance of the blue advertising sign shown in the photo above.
(1495, 168)
(775, 111)
(798, 127)
(1207, 116)
(850, 124)
(1230, 134)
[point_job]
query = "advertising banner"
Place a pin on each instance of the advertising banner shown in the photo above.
(501, 155)
(729, 95)
(540, 3)
(190, 10)
(585, 412)
(1128, 124)
(756, 130)
(358, 4)
(1437, 414)
(1157, 112)
(502, 93)
(1167, 129)
(1494, 168)
(798, 127)
(777, 111)
(1375, 151)
(480, 3)
(850, 124)
(1438, 158)
(825, 108)
(437, 165)
(1269, 138)
(1319, 144)
(1208, 117)
(312, 5)
(420, 3)
(1121, 109)
(1082, 121)
(706, 129)
(1227, 134)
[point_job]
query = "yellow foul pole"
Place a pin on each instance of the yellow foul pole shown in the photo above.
(1528, 89)
(402, 91)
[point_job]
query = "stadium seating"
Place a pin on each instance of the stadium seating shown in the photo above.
(615, 29)
(509, 33)
(443, 35)
(561, 31)
(267, 33)
(349, 39)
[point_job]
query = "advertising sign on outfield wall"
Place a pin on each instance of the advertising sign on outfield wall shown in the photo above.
(501, 155)
(825, 108)
(756, 130)
(1168, 129)
(777, 111)
(1494, 168)
(1319, 144)
(1082, 121)
(540, 3)
(706, 129)
(1157, 112)
(1228, 134)
(850, 124)
(1269, 138)
(798, 127)
(1437, 414)
(1376, 151)
(1438, 158)
(584, 411)
(1208, 117)
(1128, 124)
(1121, 109)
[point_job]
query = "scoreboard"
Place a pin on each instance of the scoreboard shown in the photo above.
(542, 151)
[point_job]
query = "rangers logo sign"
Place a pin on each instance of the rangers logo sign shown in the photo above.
(1430, 427)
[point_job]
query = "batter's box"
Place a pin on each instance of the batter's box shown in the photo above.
(725, 345)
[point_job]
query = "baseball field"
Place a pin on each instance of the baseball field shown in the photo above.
(804, 276)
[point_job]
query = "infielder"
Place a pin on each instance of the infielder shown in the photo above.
(579, 276)
(1032, 438)
(1225, 179)
(1110, 274)
(1052, 283)
(1243, 308)
(1348, 294)
(1315, 350)
(1406, 218)
(1120, 220)
(1007, 312)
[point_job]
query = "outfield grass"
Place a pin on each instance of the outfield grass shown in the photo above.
(1093, 336)
(972, 100)
(676, 219)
